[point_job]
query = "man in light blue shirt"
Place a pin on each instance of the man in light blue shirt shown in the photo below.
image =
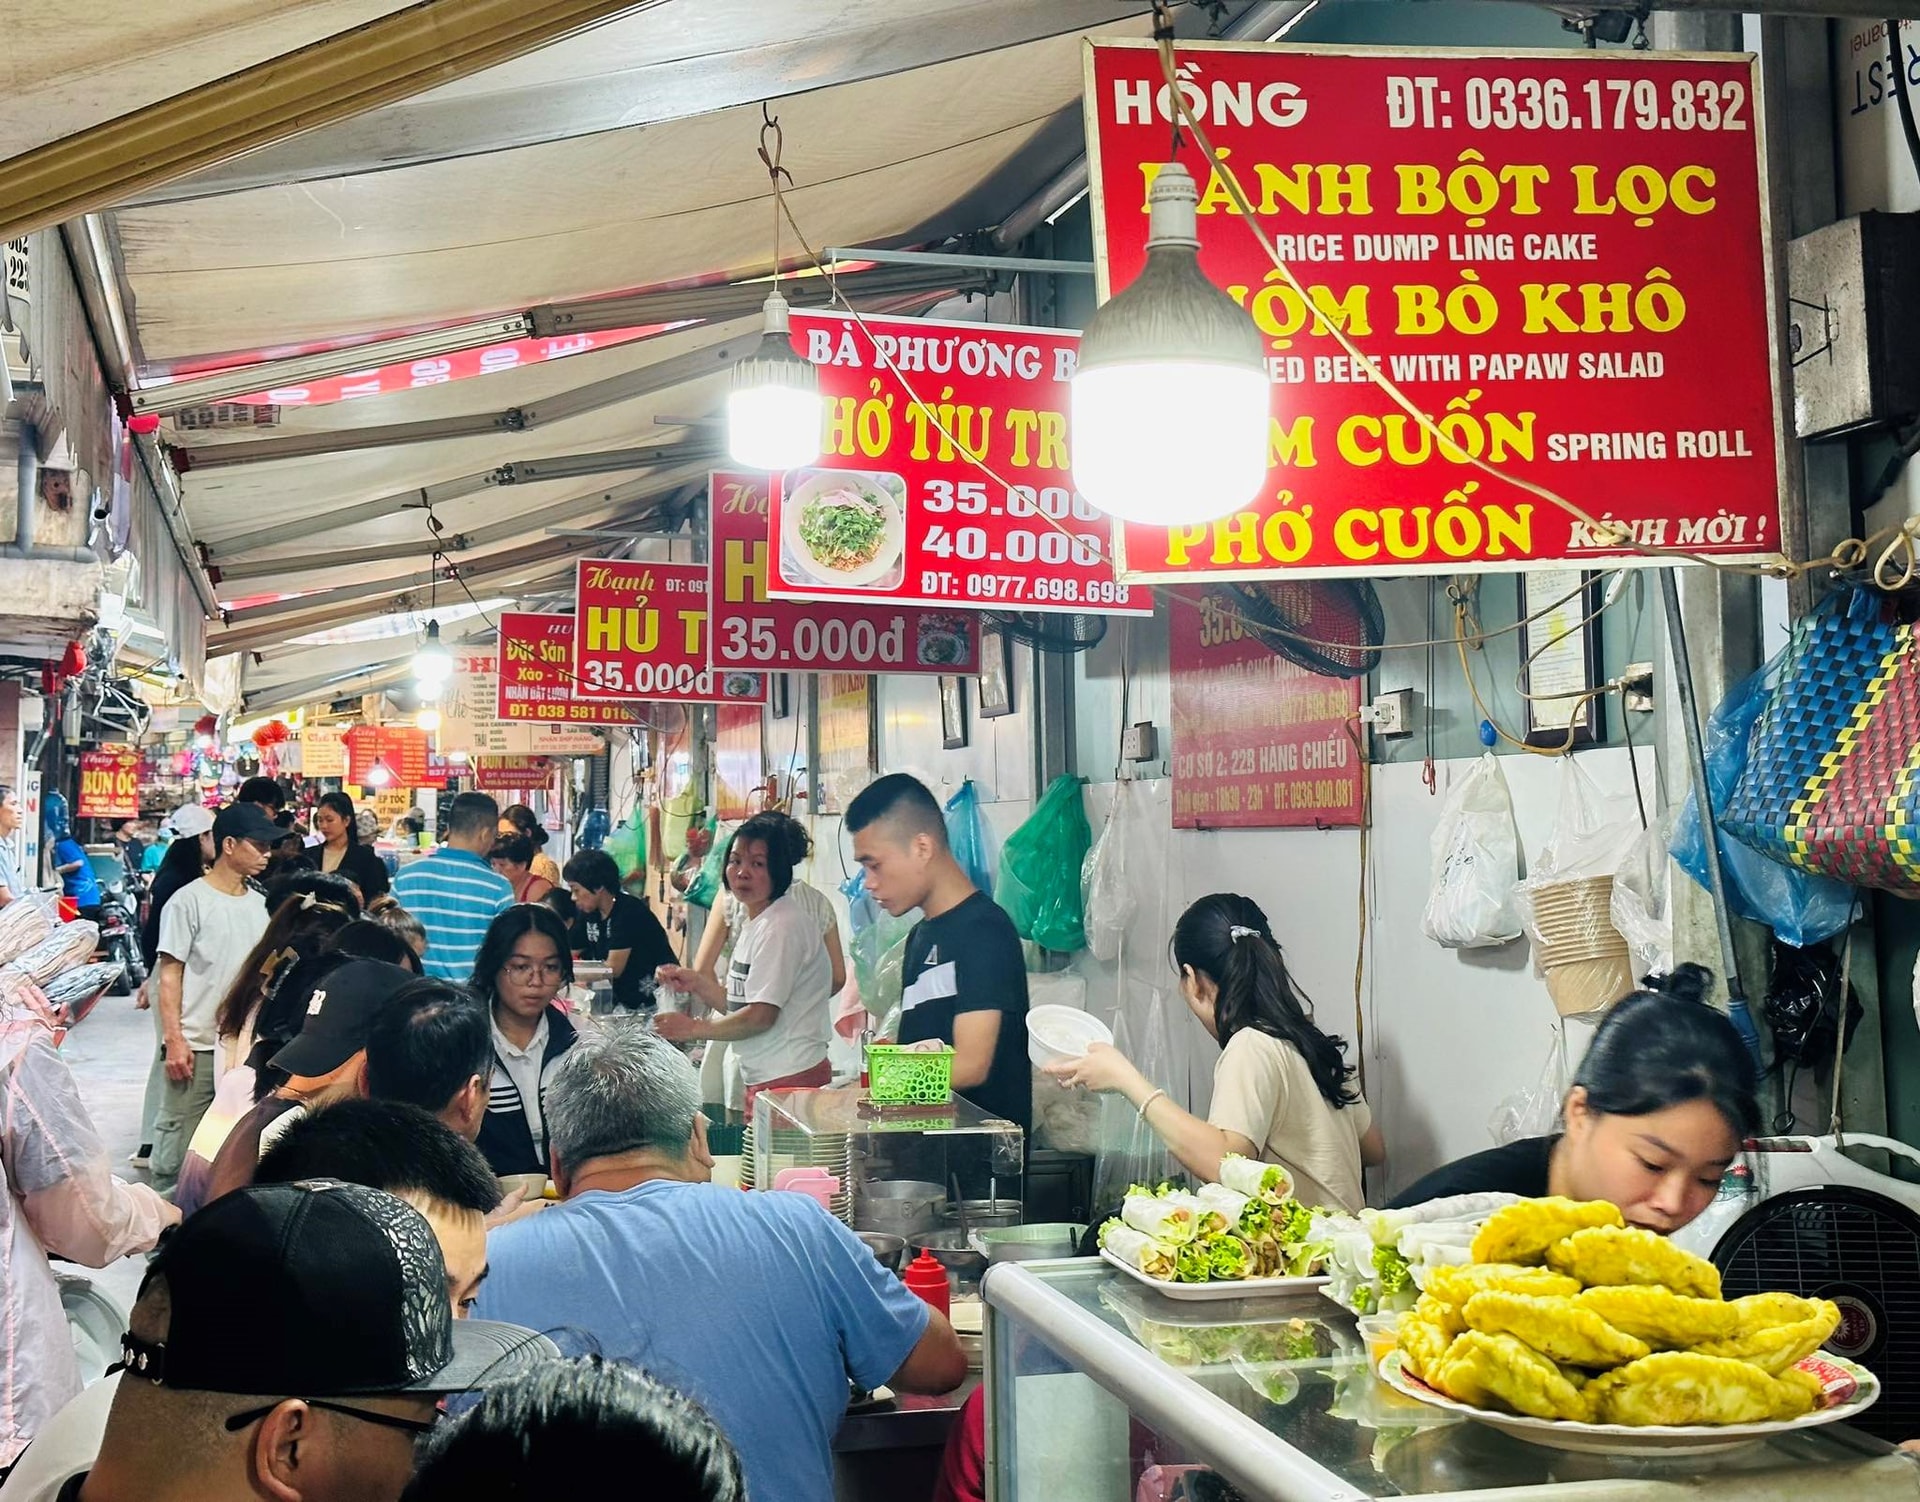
(455, 892)
(758, 1306)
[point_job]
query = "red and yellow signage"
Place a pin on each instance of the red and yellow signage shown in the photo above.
(896, 508)
(536, 682)
(516, 774)
(400, 750)
(752, 631)
(640, 632)
(109, 784)
(1561, 258)
(1258, 741)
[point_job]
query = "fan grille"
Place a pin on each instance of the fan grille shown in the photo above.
(1860, 1249)
(1330, 626)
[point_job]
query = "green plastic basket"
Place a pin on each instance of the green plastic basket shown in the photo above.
(899, 1076)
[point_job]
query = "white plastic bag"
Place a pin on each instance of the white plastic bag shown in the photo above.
(1642, 898)
(1476, 862)
(1107, 897)
(1536, 1112)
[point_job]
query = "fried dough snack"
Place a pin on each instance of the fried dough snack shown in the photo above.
(1608, 1255)
(1522, 1233)
(1455, 1285)
(1423, 1346)
(1665, 1320)
(1487, 1370)
(1440, 1314)
(1684, 1387)
(1778, 1347)
(1561, 1329)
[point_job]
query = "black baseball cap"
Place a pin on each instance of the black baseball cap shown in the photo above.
(317, 1290)
(245, 821)
(340, 1013)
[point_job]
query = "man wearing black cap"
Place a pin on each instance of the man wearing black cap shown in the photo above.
(206, 933)
(291, 1341)
(325, 1062)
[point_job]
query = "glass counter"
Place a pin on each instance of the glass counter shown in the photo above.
(1101, 1390)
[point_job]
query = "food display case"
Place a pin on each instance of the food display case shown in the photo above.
(1103, 1391)
(899, 1169)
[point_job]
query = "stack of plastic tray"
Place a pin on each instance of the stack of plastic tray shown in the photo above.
(832, 1151)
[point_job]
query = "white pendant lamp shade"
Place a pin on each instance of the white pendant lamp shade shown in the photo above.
(433, 663)
(774, 410)
(428, 720)
(1170, 402)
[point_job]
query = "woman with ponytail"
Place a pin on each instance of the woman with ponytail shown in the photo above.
(1282, 1089)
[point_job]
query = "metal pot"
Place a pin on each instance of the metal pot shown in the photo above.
(899, 1207)
(983, 1215)
(1029, 1243)
(889, 1251)
(964, 1265)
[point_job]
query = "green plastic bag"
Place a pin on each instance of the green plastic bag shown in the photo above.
(628, 846)
(704, 890)
(1040, 870)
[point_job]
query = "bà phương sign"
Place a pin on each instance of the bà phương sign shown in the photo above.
(1560, 257)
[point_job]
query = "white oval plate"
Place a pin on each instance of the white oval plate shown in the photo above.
(805, 483)
(1245, 1288)
(1632, 1439)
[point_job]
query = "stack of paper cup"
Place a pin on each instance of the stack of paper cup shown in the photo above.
(1585, 958)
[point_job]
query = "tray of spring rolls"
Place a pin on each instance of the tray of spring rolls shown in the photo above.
(1241, 1237)
(1565, 1327)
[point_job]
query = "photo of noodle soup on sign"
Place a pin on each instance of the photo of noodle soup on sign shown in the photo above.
(843, 528)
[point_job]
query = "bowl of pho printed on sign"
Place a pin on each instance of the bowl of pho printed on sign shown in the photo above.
(843, 527)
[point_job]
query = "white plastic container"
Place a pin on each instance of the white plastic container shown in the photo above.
(1056, 1034)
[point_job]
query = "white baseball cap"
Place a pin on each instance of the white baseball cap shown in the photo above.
(190, 820)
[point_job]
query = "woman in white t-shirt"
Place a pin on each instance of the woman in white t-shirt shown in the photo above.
(778, 983)
(1282, 1089)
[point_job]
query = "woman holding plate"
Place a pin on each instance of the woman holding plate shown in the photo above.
(1283, 1092)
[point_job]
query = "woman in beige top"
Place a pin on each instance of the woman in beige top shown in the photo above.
(1282, 1090)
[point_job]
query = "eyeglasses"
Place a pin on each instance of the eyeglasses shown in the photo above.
(528, 969)
(366, 1416)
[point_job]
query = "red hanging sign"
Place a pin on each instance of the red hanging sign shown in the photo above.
(751, 630)
(1258, 741)
(536, 680)
(109, 784)
(400, 751)
(1561, 258)
(640, 632)
(512, 774)
(896, 510)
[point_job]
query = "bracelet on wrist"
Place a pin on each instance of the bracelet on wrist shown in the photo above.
(1142, 1109)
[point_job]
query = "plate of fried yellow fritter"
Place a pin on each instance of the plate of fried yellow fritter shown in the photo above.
(1571, 1329)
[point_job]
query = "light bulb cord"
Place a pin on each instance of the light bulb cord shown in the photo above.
(773, 144)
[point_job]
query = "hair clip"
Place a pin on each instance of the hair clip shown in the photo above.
(1236, 932)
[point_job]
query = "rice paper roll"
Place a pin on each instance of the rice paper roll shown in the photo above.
(1230, 1203)
(1266, 1181)
(1163, 1219)
(1229, 1259)
(1192, 1263)
(1138, 1250)
(1208, 1220)
(1386, 1225)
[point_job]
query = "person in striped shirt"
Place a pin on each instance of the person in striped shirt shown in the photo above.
(455, 892)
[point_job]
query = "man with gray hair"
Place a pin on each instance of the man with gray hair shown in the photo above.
(759, 1306)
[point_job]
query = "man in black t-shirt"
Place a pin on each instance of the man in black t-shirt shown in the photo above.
(616, 928)
(965, 980)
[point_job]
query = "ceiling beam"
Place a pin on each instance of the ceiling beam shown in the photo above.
(389, 59)
(651, 457)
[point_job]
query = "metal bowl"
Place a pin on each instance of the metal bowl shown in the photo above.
(982, 1215)
(898, 1207)
(889, 1251)
(964, 1265)
(1029, 1243)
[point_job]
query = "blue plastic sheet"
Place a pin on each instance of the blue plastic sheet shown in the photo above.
(967, 834)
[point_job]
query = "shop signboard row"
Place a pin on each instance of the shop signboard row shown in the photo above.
(1560, 258)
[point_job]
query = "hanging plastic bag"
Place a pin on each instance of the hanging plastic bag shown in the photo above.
(704, 886)
(628, 846)
(1536, 1112)
(1104, 893)
(1040, 870)
(1800, 907)
(879, 956)
(1642, 906)
(1131, 1152)
(967, 834)
(1475, 863)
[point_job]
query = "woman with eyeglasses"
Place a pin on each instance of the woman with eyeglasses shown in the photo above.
(522, 965)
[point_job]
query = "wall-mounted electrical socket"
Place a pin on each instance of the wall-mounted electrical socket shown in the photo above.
(1391, 715)
(1140, 743)
(1636, 687)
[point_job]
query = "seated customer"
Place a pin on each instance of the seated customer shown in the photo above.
(560, 1431)
(330, 1291)
(431, 1047)
(758, 1306)
(401, 1149)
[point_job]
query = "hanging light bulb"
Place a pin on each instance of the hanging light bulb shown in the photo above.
(433, 663)
(428, 719)
(774, 410)
(378, 775)
(1170, 400)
